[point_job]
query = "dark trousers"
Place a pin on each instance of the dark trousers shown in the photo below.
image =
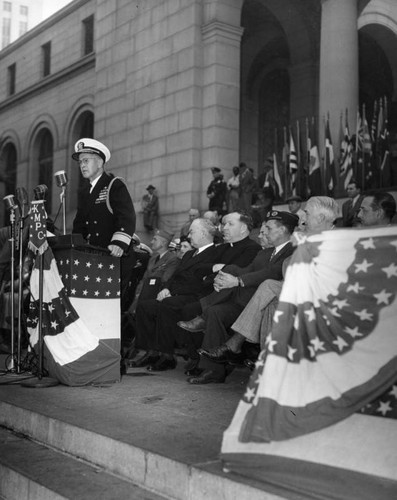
(219, 319)
(156, 322)
(220, 310)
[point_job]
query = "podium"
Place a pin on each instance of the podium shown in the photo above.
(88, 350)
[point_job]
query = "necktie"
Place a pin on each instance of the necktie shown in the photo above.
(273, 254)
(157, 259)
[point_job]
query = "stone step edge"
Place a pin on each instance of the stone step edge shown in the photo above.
(148, 470)
(18, 478)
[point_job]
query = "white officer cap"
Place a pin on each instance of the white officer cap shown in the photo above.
(91, 146)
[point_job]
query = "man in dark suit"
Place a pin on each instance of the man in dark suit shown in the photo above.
(216, 192)
(351, 207)
(161, 266)
(150, 205)
(156, 319)
(234, 287)
(105, 212)
(239, 249)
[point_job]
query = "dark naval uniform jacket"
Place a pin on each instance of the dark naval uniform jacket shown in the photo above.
(103, 217)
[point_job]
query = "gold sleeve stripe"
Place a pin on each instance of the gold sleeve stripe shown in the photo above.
(123, 237)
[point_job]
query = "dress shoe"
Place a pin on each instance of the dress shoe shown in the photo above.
(191, 364)
(249, 364)
(222, 354)
(207, 377)
(195, 325)
(162, 365)
(147, 359)
(194, 372)
(192, 369)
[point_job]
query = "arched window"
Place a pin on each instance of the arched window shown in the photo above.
(83, 127)
(45, 163)
(8, 176)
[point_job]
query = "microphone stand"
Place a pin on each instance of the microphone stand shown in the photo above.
(20, 292)
(11, 364)
(63, 202)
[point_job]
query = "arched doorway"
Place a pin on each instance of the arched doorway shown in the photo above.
(377, 77)
(279, 76)
(8, 176)
(82, 127)
(42, 164)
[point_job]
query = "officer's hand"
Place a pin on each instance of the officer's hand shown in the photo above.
(163, 294)
(115, 251)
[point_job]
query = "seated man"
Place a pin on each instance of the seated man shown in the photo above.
(156, 319)
(256, 320)
(161, 266)
(193, 214)
(239, 250)
(234, 287)
(213, 216)
(377, 209)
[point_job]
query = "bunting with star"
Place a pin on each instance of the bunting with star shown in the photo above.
(80, 317)
(333, 347)
(330, 359)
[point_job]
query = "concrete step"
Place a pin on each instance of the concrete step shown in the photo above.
(31, 471)
(154, 431)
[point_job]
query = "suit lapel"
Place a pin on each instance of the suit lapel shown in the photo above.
(279, 255)
(189, 259)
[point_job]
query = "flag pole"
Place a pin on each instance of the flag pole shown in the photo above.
(307, 161)
(323, 160)
(286, 163)
(276, 194)
(298, 159)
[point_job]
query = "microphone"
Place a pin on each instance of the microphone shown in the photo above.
(23, 201)
(9, 202)
(40, 192)
(61, 178)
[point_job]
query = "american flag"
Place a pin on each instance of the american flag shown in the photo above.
(88, 275)
(333, 348)
(80, 315)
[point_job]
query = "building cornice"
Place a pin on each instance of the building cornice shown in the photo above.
(43, 26)
(223, 30)
(82, 65)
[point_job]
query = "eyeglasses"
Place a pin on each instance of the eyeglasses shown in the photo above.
(85, 161)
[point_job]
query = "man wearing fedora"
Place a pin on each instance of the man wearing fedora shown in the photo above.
(150, 206)
(105, 212)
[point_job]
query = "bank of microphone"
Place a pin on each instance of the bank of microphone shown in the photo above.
(61, 178)
(40, 192)
(23, 201)
(9, 202)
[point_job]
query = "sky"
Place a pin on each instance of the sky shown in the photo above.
(51, 6)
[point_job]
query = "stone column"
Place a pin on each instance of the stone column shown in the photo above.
(338, 63)
(221, 97)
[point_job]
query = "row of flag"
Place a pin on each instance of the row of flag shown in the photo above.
(363, 156)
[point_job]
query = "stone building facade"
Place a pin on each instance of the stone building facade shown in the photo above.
(174, 87)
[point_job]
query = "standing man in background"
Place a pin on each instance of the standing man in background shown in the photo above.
(233, 185)
(351, 207)
(216, 192)
(294, 206)
(105, 212)
(247, 187)
(150, 206)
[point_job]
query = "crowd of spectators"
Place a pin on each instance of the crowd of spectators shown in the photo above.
(215, 301)
(210, 291)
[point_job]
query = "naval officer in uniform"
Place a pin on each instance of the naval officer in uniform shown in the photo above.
(105, 212)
